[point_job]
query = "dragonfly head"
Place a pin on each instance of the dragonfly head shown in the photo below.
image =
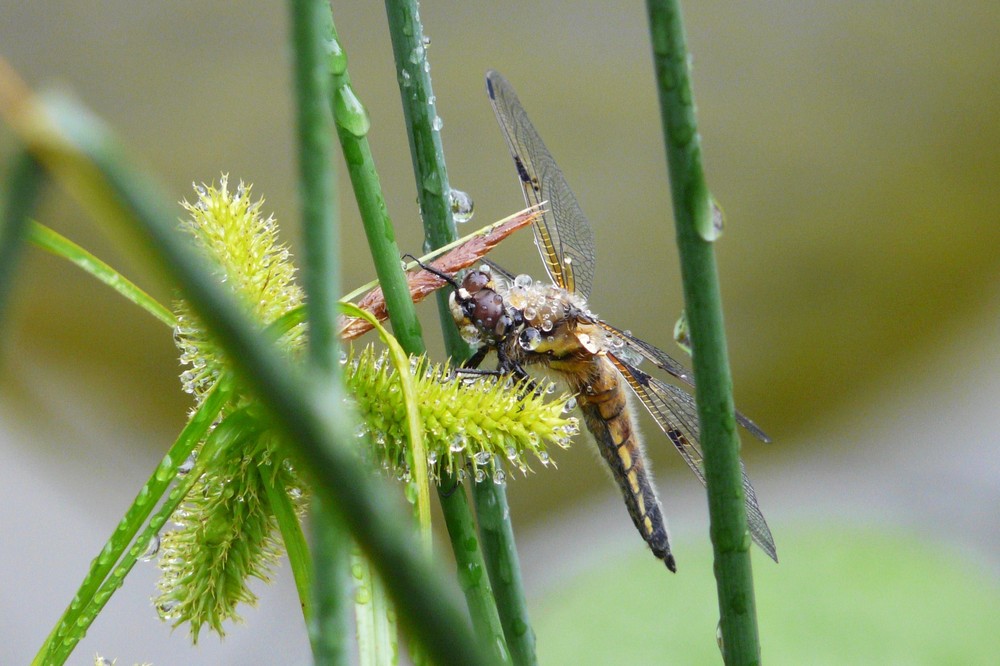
(475, 304)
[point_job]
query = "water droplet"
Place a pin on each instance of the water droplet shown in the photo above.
(530, 313)
(343, 357)
(426, 41)
(568, 261)
(404, 78)
(350, 113)
(710, 226)
(336, 59)
(499, 476)
(470, 334)
(186, 466)
(457, 443)
(152, 548)
(461, 206)
(517, 298)
(570, 405)
(437, 123)
(529, 339)
(165, 609)
(417, 54)
(523, 281)
(681, 336)
(432, 457)
(481, 457)
(480, 476)
(543, 456)
(546, 325)
(511, 453)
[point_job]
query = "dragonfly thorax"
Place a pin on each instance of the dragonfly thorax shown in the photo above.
(527, 318)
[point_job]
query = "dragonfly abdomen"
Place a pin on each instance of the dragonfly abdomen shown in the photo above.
(609, 417)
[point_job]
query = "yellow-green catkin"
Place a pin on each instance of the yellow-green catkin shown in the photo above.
(469, 423)
(225, 531)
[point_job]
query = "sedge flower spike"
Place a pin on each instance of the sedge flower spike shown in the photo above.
(225, 532)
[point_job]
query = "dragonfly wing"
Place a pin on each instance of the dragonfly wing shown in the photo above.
(563, 235)
(676, 413)
(658, 357)
(665, 362)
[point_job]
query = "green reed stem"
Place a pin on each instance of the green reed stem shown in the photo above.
(434, 196)
(703, 305)
(505, 570)
(57, 244)
(426, 149)
(352, 128)
(321, 271)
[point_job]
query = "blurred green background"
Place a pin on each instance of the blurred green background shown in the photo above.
(855, 148)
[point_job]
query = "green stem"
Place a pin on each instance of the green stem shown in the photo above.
(703, 305)
(60, 246)
(317, 186)
(473, 575)
(377, 644)
(504, 569)
(321, 437)
(426, 150)
(433, 194)
(352, 128)
(330, 545)
(24, 183)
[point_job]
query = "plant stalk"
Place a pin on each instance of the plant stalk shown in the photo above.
(692, 207)
(317, 188)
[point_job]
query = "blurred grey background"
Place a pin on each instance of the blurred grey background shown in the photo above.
(854, 147)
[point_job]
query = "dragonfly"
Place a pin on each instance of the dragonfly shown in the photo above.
(535, 324)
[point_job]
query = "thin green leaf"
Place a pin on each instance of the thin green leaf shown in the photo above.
(292, 535)
(53, 242)
(105, 578)
(415, 432)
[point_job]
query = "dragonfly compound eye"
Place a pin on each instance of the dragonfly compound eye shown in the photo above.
(488, 310)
